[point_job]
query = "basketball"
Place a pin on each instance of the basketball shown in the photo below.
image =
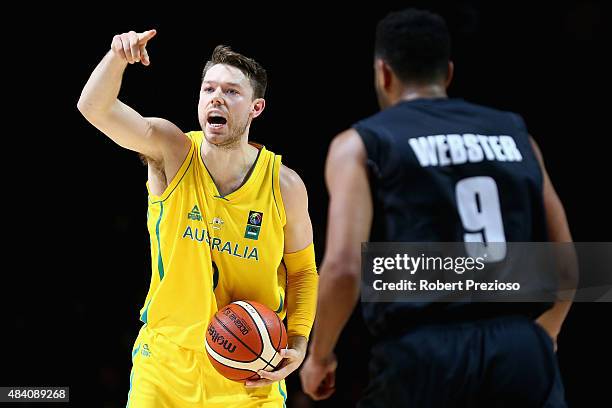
(245, 337)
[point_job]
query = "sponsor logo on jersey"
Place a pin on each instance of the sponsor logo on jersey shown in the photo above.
(194, 214)
(251, 232)
(253, 225)
(217, 223)
(255, 218)
(145, 350)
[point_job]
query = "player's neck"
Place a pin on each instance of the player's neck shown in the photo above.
(229, 166)
(431, 91)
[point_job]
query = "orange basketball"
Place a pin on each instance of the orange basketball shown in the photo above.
(245, 337)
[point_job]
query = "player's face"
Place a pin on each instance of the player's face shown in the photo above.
(226, 105)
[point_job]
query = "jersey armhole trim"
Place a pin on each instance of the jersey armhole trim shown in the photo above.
(276, 190)
(177, 178)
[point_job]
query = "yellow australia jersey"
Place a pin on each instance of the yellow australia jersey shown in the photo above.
(244, 230)
(180, 301)
(208, 250)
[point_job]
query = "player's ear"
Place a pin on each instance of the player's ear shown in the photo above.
(258, 106)
(384, 74)
(381, 74)
(449, 74)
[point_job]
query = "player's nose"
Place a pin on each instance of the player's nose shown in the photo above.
(217, 100)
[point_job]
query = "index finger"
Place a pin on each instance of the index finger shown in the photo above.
(146, 36)
(277, 375)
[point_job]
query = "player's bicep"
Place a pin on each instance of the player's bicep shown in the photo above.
(149, 136)
(298, 229)
(556, 220)
(350, 201)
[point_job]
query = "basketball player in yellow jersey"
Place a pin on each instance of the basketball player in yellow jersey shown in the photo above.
(227, 221)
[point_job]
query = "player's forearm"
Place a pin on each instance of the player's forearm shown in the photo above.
(553, 318)
(339, 287)
(302, 284)
(301, 302)
(101, 90)
(567, 282)
(298, 343)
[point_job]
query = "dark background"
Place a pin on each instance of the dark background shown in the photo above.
(78, 268)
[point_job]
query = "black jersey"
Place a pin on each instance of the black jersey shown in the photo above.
(445, 170)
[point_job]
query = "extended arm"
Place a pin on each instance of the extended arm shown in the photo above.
(349, 223)
(156, 138)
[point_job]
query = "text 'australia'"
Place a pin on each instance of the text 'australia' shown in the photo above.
(233, 249)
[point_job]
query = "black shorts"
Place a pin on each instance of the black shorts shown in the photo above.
(501, 362)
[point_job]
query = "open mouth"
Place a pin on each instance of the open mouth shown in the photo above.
(216, 121)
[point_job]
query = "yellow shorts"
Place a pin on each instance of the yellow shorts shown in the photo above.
(165, 375)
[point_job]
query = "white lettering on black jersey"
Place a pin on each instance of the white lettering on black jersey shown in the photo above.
(444, 150)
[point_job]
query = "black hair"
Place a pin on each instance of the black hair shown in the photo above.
(415, 44)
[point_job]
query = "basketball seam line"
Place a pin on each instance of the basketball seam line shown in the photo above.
(251, 350)
(236, 337)
(267, 332)
(280, 338)
(268, 363)
(239, 369)
(255, 325)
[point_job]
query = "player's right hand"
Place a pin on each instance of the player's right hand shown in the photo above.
(131, 46)
(319, 377)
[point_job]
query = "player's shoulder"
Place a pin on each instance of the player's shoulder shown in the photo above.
(495, 113)
(346, 144)
(291, 183)
(437, 104)
(293, 192)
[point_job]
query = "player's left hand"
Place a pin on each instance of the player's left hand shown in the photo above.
(292, 359)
